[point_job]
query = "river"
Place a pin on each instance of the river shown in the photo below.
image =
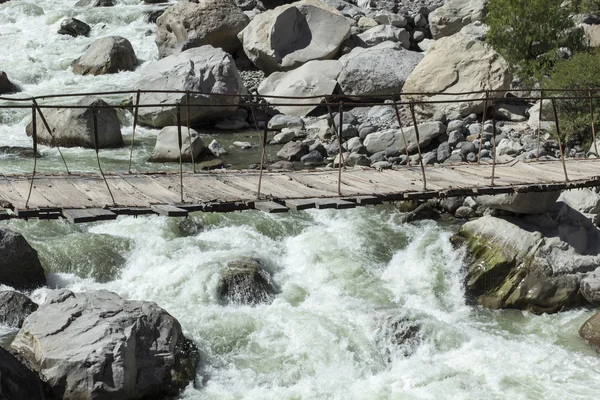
(341, 275)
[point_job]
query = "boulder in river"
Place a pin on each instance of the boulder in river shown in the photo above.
(96, 345)
(590, 331)
(185, 25)
(456, 64)
(167, 145)
(291, 35)
(107, 55)
(315, 78)
(379, 70)
(202, 69)
(74, 27)
(535, 262)
(521, 203)
(18, 381)
(246, 282)
(73, 127)
(14, 308)
(6, 86)
(20, 266)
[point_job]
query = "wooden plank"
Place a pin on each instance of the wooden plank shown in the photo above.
(270, 207)
(363, 200)
(169, 211)
(300, 204)
(333, 203)
(227, 206)
(88, 215)
(26, 212)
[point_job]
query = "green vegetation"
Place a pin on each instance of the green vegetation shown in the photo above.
(528, 34)
(586, 6)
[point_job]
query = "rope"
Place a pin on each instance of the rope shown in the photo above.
(50, 133)
(414, 118)
(34, 136)
(402, 132)
(96, 145)
(135, 118)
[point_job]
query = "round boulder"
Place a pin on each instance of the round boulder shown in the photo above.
(187, 24)
(14, 308)
(74, 27)
(167, 145)
(291, 35)
(246, 282)
(20, 266)
(97, 345)
(107, 55)
(72, 127)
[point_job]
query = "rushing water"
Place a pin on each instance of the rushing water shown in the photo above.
(341, 275)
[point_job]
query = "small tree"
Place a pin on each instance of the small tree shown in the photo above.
(579, 72)
(528, 34)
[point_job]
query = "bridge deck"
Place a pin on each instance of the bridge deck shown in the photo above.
(84, 197)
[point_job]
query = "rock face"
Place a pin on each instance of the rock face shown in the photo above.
(456, 64)
(534, 263)
(6, 86)
(19, 382)
(74, 27)
(291, 35)
(315, 78)
(20, 266)
(453, 15)
(14, 308)
(107, 55)
(167, 145)
(75, 127)
(392, 138)
(521, 203)
(97, 345)
(246, 282)
(378, 70)
(211, 22)
(202, 69)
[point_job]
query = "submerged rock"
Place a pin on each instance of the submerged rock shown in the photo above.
(6, 86)
(423, 211)
(20, 266)
(74, 27)
(397, 336)
(97, 345)
(14, 308)
(246, 282)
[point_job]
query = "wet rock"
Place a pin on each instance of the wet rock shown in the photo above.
(14, 308)
(97, 345)
(74, 27)
(107, 55)
(18, 381)
(20, 266)
(397, 336)
(246, 282)
(6, 86)
(22, 152)
(464, 212)
(166, 148)
(423, 211)
(186, 25)
(293, 151)
(590, 331)
(201, 69)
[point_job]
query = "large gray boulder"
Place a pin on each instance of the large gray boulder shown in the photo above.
(167, 145)
(393, 139)
(202, 69)
(384, 33)
(18, 381)
(107, 55)
(20, 266)
(547, 122)
(586, 201)
(97, 345)
(456, 64)
(379, 70)
(453, 15)
(72, 127)
(291, 35)
(187, 24)
(521, 203)
(14, 308)
(6, 86)
(315, 78)
(535, 263)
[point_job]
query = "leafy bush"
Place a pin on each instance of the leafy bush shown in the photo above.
(579, 72)
(586, 6)
(528, 34)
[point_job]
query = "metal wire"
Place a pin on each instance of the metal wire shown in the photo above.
(180, 142)
(97, 147)
(50, 132)
(34, 137)
(135, 118)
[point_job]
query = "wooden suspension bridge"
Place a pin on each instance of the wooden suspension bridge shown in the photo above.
(86, 197)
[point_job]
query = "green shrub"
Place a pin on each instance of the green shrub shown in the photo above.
(586, 6)
(528, 34)
(579, 72)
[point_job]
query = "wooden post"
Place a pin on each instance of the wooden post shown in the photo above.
(263, 144)
(97, 147)
(414, 118)
(482, 127)
(494, 144)
(402, 133)
(180, 142)
(562, 155)
(135, 118)
(34, 137)
(537, 156)
(593, 125)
